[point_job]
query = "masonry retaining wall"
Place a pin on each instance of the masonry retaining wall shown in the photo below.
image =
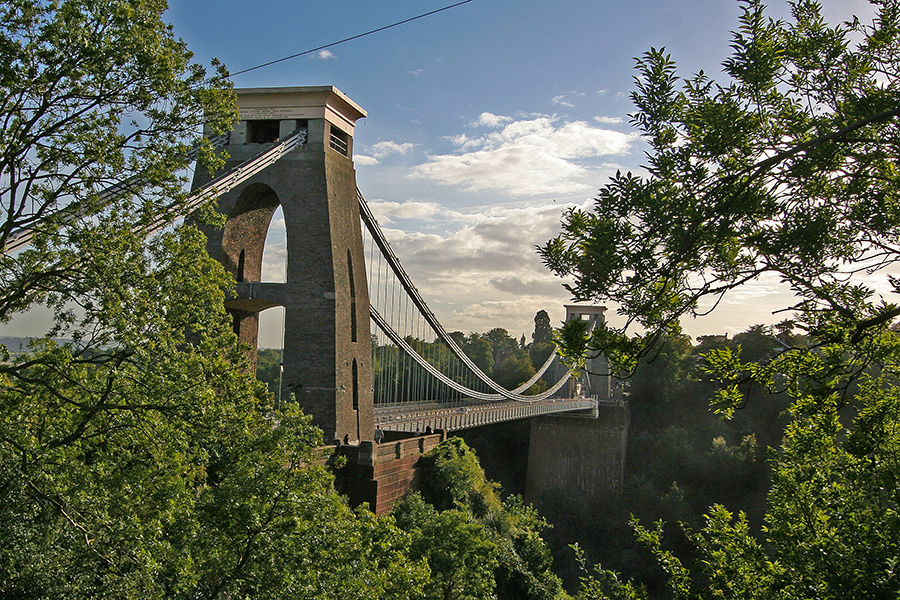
(578, 457)
(382, 474)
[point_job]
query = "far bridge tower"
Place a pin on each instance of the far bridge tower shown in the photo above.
(327, 349)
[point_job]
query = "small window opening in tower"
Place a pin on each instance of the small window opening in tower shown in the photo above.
(262, 132)
(355, 385)
(339, 141)
(352, 298)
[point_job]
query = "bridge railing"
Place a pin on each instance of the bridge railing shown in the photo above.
(437, 416)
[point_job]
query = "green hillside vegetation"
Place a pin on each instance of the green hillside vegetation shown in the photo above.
(477, 545)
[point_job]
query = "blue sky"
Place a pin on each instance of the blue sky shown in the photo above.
(485, 122)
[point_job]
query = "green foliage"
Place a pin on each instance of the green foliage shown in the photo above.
(150, 468)
(268, 368)
(140, 461)
(480, 351)
(832, 524)
(602, 584)
(457, 503)
(459, 551)
(789, 169)
(543, 332)
(786, 169)
(515, 369)
(509, 362)
(539, 353)
(453, 478)
(501, 342)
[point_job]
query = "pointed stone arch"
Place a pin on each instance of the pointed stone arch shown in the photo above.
(245, 231)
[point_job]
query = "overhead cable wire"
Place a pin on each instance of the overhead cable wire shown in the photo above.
(351, 38)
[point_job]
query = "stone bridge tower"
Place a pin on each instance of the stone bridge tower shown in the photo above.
(579, 457)
(327, 363)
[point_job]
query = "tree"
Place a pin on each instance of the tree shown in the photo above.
(543, 332)
(268, 367)
(787, 169)
(476, 544)
(542, 345)
(140, 460)
(515, 369)
(459, 551)
(480, 351)
(501, 342)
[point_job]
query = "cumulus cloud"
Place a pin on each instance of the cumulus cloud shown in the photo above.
(482, 271)
(389, 212)
(608, 120)
(532, 156)
(324, 55)
(487, 119)
(382, 149)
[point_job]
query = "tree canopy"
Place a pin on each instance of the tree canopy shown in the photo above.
(478, 546)
(787, 169)
(137, 458)
(784, 166)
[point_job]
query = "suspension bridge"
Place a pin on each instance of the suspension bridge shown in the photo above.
(362, 349)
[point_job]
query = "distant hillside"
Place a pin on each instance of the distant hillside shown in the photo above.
(20, 344)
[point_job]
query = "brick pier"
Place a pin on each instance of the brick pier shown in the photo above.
(381, 474)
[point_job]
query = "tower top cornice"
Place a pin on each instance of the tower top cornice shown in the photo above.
(305, 102)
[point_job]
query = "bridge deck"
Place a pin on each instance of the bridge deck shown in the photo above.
(464, 415)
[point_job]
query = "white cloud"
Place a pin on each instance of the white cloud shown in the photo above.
(516, 315)
(533, 156)
(483, 271)
(566, 99)
(487, 119)
(608, 120)
(382, 149)
(415, 72)
(389, 212)
(324, 55)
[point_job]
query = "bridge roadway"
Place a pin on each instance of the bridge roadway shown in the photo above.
(463, 414)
